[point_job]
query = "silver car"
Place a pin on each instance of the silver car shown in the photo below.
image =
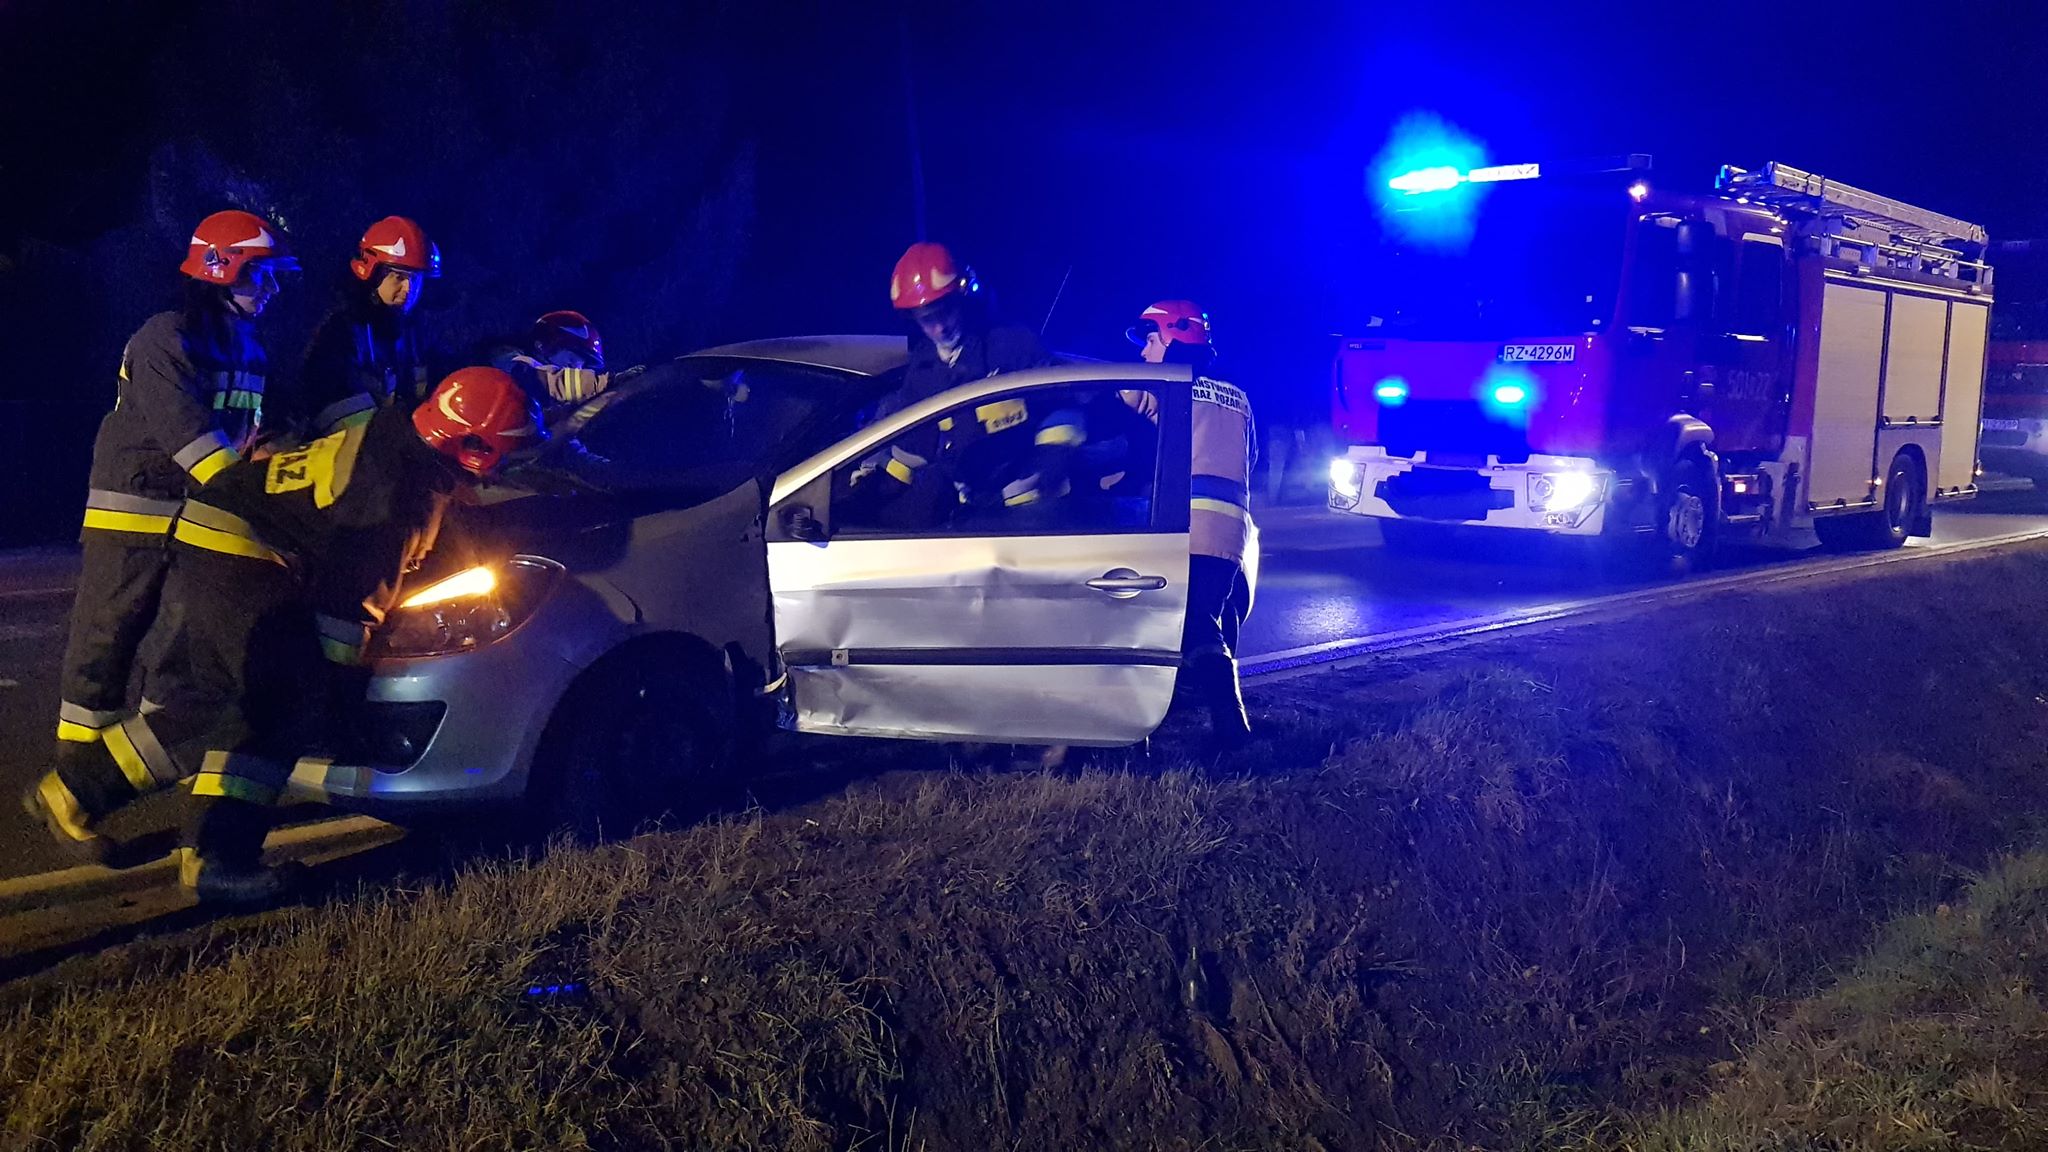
(598, 634)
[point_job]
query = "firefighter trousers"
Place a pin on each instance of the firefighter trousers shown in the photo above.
(1217, 595)
(119, 617)
(257, 701)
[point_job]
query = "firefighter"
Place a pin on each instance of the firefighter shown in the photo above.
(286, 564)
(367, 353)
(1219, 516)
(957, 341)
(560, 364)
(189, 404)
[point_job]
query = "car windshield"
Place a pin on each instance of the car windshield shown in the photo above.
(705, 423)
(1541, 259)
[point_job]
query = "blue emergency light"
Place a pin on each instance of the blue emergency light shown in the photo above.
(1392, 391)
(1445, 178)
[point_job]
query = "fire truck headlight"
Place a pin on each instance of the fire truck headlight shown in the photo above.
(1346, 480)
(1565, 491)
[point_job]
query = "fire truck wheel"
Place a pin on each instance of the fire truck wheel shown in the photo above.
(1691, 514)
(1905, 500)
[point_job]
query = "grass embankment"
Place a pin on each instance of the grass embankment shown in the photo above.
(1560, 889)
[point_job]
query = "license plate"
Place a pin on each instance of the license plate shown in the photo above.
(1539, 353)
(2001, 425)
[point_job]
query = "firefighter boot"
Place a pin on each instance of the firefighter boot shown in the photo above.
(49, 803)
(1216, 686)
(217, 881)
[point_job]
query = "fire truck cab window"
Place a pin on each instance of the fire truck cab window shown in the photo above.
(1761, 283)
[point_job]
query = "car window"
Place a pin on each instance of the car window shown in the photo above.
(712, 422)
(1078, 459)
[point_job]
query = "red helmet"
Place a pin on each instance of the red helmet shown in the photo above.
(225, 241)
(396, 242)
(567, 331)
(928, 272)
(1177, 321)
(477, 415)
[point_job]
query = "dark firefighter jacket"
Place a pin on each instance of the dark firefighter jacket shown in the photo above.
(190, 403)
(364, 356)
(349, 513)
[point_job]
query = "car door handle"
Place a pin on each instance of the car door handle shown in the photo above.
(1123, 583)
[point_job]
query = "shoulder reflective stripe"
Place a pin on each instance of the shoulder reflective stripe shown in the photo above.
(214, 540)
(113, 501)
(158, 761)
(71, 733)
(1220, 488)
(1002, 414)
(1221, 507)
(101, 520)
(94, 718)
(337, 415)
(1060, 435)
(123, 751)
(202, 446)
(210, 467)
(899, 471)
(909, 458)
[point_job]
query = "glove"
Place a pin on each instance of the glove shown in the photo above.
(575, 385)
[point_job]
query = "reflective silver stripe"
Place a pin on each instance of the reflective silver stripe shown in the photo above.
(342, 409)
(162, 768)
(207, 516)
(199, 449)
(908, 458)
(90, 717)
(123, 502)
(238, 382)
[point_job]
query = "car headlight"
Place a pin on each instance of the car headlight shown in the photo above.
(468, 610)
(1565, 491)
(1346, 479)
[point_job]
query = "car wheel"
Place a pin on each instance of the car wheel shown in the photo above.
(1905, 501)
(631, 743)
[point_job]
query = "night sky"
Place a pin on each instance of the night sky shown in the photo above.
(698, 173)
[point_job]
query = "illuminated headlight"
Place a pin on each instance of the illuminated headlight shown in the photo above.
(1346, 479)
(1565, 491)
(468, 610)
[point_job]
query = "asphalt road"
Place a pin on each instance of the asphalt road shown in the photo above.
(1326, 578)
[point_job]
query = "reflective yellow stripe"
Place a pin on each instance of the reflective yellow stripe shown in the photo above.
(1224, 507)
(233, 787)
(946, 424)
(214, 540)
(124, 753)
(1060, 435)
(899, 470)
(216, 460)
(76, 733)
(340, 652)
(109, 521)
(1001, 414)
(1021, 499)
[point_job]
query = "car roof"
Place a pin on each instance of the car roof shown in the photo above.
(859, 355)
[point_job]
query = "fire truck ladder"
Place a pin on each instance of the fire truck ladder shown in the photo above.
(1863, 226)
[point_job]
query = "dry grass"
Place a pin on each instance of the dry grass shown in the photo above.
(1507, 899)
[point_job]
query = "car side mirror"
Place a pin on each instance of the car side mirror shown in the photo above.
(799, 522)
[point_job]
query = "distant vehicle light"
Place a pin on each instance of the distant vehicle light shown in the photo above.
(1427, 180)
(1509, 394)
(1443, 178)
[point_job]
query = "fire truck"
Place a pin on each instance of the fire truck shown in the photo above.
(1600, 355)
(2016, 376)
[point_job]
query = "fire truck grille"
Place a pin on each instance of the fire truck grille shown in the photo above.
(1451, 431)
